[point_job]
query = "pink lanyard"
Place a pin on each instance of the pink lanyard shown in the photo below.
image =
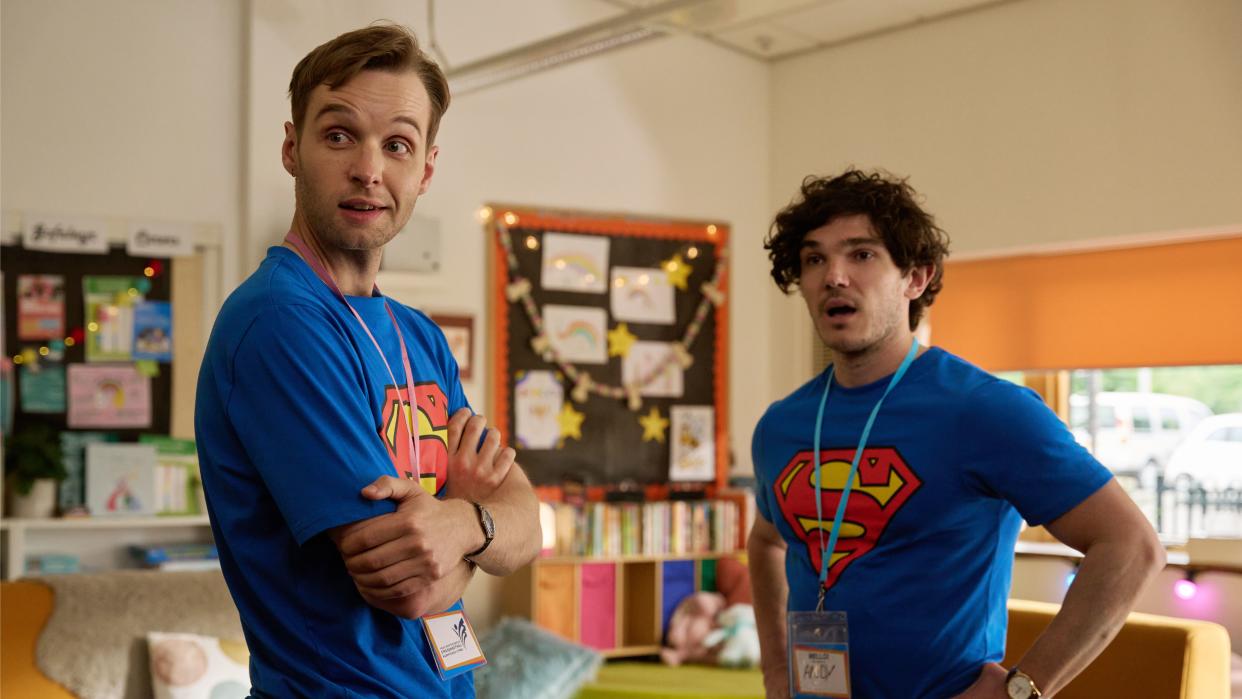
(313, 260)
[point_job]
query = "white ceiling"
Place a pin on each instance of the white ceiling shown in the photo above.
(472, 30)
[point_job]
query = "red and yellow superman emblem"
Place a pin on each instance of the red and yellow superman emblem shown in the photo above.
(432, 416)
(883, 484)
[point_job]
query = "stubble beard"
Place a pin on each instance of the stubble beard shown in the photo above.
(321, 219)
(846, 348)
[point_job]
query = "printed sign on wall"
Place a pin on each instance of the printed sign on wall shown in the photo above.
(65, 234)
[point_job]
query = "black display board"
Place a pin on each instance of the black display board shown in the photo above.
(16, 261)
(611, 449)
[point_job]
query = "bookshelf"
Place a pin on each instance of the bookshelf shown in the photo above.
(613, 572)
(98, 542)
(617, 605)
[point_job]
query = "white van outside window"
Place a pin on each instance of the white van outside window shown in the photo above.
(1136, 433)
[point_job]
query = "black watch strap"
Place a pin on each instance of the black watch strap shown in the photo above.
(489, 529)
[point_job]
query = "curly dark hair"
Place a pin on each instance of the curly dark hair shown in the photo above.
(910, 235)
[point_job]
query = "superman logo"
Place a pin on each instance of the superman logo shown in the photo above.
(883, 484)
(432, 416)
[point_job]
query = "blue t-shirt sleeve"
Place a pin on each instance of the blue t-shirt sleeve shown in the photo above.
(1022, 452)
(762, 486)
(300, 408)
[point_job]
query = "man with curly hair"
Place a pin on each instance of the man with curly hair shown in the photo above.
(892, 486)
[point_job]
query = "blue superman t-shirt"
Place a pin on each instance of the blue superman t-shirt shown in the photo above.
(924, 559)
(295, 414)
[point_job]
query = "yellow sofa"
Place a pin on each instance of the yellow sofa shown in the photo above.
(25, 606)
(1153, 657)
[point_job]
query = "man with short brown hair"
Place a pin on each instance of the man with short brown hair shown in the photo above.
(351, 489)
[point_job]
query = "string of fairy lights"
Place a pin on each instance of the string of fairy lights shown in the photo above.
(677, 268)
(54, 349)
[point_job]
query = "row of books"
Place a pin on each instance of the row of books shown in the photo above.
(189, 556)
(601, 529)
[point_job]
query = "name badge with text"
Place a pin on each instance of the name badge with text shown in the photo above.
(819, 655)
(453, 642)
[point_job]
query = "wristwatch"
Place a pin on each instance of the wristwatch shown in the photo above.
(489, 531)
(1019, 685)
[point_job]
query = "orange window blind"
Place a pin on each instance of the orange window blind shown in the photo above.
(1155, 305)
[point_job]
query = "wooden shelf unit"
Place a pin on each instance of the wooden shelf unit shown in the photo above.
(616, 605)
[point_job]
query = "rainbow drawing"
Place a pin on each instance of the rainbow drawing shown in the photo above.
(580, 264)
(580, 329)
(642, 296)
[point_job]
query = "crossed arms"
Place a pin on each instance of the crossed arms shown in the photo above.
(411, 562)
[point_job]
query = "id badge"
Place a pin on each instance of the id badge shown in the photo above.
(819, 655)
(453, 642)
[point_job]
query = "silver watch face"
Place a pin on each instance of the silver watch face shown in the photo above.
(1018, 687)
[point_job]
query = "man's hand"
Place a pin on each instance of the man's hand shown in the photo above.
(473, 475)
(990, 685)
(397, 554)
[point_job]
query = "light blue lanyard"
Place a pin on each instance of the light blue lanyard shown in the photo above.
(849, 481)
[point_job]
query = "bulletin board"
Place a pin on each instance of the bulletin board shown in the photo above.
(45, 351)
(608, 344)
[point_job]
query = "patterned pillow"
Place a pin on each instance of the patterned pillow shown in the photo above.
(525, 662)
(189, 666)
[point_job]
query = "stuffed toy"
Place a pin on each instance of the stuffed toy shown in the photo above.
(692, 621)
(737, 638)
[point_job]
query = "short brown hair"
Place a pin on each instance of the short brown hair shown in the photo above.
(389, 47)
(910, 234)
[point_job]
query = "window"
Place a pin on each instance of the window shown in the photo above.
(1173, 438)
(1168, 419)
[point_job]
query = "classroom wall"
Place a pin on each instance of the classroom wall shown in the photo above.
(124, 109)
(110, 111)
(1028, 123)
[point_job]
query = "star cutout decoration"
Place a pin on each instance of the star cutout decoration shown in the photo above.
(570, 421)
(677, 270)
(619, 340)
(653, 426)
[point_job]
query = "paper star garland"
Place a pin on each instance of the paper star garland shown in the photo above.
(677, 270)
(713, 293)
(570, 421)
(542, 346)
(653, 426)
(633, 397)
(517, 290)
(582, 388)
(619, 341)
(682, 355)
